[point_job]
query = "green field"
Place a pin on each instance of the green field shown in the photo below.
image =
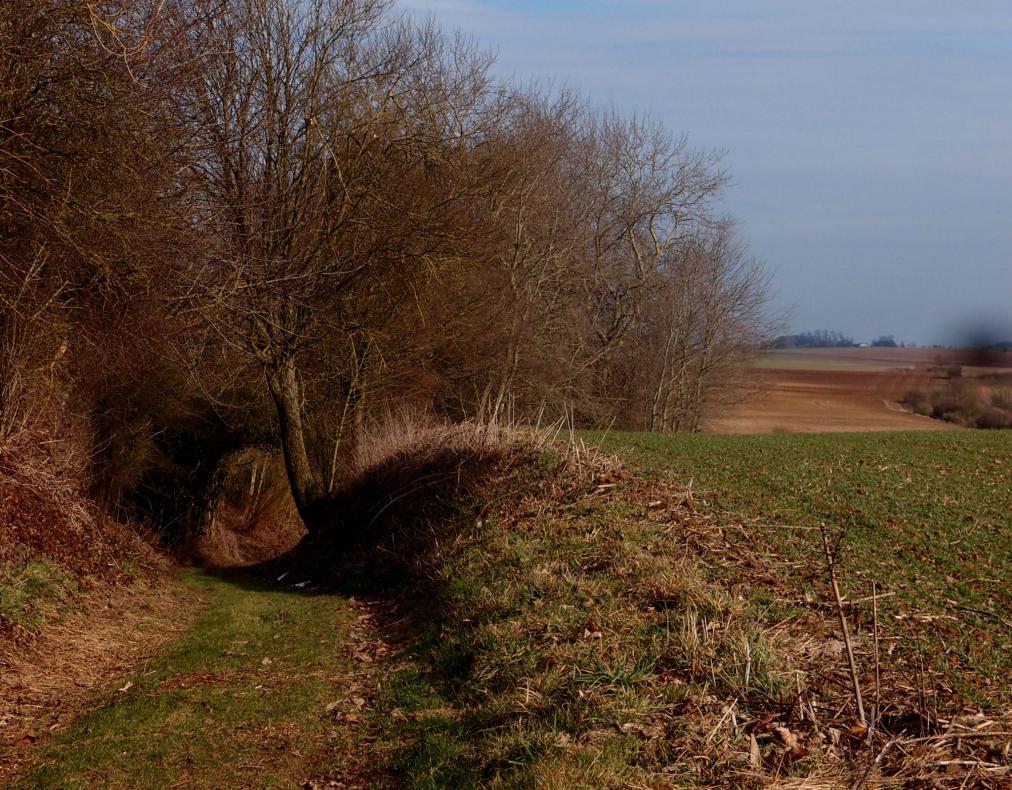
(928, 516)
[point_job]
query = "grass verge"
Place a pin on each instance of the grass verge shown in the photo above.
(238, 701)
(593, 629)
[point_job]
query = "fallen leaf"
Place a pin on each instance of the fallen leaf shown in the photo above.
(763, 724)
(857, 729)
(794, 748)
(127, 687)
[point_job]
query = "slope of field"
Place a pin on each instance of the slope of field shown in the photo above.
(845, 389)
(802, 400)
(553, 619)
(886, 358)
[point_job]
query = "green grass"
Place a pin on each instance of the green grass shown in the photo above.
(32, 591)
(571, 649)
(926, 515)
(557, 634)
(239, 700)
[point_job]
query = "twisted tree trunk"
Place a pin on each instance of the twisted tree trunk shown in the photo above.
(307, 487)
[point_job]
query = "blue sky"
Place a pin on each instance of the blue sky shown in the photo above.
(870, 143)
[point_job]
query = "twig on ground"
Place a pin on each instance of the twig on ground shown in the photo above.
(831, 567)
(878, 674)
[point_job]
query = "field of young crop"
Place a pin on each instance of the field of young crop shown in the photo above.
(925, 516)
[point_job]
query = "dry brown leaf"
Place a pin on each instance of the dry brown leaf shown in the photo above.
(754, 755)
(795, 749)
(857, 729)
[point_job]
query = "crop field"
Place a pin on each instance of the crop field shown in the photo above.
(878, 358)
(847, 389)
(925, 516)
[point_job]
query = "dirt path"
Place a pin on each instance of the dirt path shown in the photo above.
(361, 738)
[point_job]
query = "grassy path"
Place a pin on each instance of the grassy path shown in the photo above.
(259, 692)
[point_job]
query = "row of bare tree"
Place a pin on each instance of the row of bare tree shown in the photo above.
(228, 222)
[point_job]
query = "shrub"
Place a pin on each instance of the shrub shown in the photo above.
(994, 419)
(1001, 397)
(967, 403)
(918, 401)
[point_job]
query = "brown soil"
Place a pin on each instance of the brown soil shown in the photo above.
(49, 681)
(806, 401)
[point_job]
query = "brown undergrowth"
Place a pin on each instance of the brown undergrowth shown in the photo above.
(56, 544)
(45, 514)
(566, 624)
(83, 597)
(250, 517)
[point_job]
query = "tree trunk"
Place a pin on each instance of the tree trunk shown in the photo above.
(307, 488)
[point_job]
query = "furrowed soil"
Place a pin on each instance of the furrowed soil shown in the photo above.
(829, 400)
(833, 390)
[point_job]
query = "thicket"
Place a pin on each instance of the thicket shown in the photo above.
(984, 402)
(267, 223)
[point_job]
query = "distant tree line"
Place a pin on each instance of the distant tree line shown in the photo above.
(269, 222)
(825, 338)
(820, 338)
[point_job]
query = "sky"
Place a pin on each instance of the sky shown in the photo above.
(869, 141)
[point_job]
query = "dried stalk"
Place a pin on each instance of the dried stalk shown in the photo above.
(831, 567)
(878, 673)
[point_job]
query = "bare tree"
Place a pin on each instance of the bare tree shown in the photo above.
(652, 194)
(706, 321)
(327, 132)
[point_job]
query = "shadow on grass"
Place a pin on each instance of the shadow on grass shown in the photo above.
(377, 534)
(386, 538)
